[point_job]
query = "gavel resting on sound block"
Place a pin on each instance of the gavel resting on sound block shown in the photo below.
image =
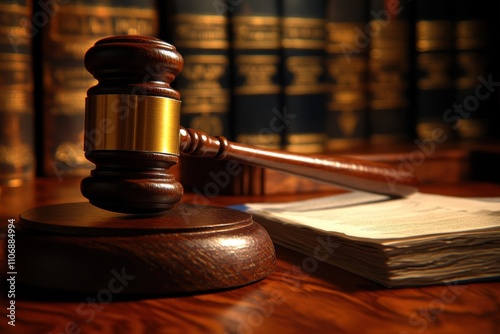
(133, 226)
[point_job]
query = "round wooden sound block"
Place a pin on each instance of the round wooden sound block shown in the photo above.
(79, 247)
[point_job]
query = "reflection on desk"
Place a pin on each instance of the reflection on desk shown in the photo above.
(303, 295)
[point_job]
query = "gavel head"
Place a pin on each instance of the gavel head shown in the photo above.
(132, 125)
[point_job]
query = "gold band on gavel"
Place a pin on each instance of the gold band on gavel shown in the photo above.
(132, 123)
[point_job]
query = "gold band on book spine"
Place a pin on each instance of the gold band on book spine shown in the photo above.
(436, 70)
(307, 71)
(203, 91)
(76, 27)
(132, 123)
(304, 33)
(17, 83)
(259, 72)
(17, 158)
(471, 35)
(389, 57)
(70, 32)
(201, 31)
(434, 35)
(351, 76)
(256, 32)
(343, 38)
(305, 142)
(12, 33)
(428, 127)
(272, 141)
(347, 100)
(472, 60)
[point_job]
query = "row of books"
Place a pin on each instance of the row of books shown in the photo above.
(306, 76)
(328, 75)
(44, 80)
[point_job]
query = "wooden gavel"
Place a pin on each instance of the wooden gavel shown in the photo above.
(133, 136)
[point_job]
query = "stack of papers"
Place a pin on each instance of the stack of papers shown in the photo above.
(419, 240)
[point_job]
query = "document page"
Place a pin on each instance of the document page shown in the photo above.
(364, 215)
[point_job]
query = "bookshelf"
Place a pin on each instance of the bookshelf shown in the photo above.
(372, 102)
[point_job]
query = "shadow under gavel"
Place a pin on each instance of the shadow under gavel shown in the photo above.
(136, 114)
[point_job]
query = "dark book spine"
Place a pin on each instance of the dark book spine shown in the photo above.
(73, 28)
(389, 71)
(257, 91)
(199, 30)
(304, 75)
(434, 42)
(17, 158)
(474, 65)
(347, 74)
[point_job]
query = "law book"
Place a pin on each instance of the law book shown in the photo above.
(257, 105)
(17, 153)
(72, 28)
(347, 74)
(435, 66)
(389, 80)
(304, 75)
(420, 240)
(473, 44)
(199, 31)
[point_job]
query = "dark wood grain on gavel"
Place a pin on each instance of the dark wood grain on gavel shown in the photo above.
(347, 172)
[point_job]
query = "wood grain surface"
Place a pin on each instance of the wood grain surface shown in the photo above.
(301, 296)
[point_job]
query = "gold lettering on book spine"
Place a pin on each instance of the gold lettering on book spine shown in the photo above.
(16, 81)
(204, 92)
(347, 99)
(76, 27)
(256, 32)
(435, 67)
(471, 42)
(12, 32)
(343, 39)
(350, 76)
(201, 31)
(347, 66)
(472, 60)
(389, 59)
(16, 95)
(272, 141)
(305, 142)
(304, 33)
(434, 35)
(71, 33)
(306, 72)
(259, 72)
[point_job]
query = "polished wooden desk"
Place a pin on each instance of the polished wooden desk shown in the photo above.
(292, 300)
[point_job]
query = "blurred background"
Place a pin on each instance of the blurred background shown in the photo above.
(411, 83)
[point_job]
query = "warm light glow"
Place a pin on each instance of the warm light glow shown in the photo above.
(234, 242)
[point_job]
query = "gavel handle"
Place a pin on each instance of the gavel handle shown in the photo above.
(346, 172)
